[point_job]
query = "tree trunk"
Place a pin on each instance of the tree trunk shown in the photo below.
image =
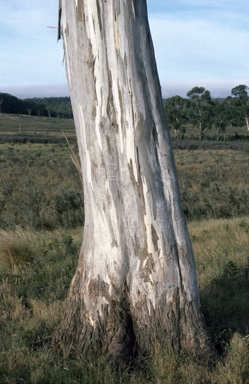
(217, 133)
(247, 123)
(200, 131)
(135, 287)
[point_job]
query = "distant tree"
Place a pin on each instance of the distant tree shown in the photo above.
(222, 116)
(11, 104)
(200, 109)
(48, 106)
(241, 92)
(241, 101)
(176, 114)
(51, 106)
(34, 106)
(27, 107)
(64, 108)
(49, 110)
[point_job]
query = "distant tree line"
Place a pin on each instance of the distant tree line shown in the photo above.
(203, 112)
(42, 106)
(198, 109)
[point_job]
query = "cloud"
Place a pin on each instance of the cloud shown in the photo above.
(196, 42)
(199, 47)
(27, 18)
(29, 50)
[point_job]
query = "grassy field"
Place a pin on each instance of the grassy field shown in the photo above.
(41, 188)
(35, 272)
(214, 182)
(231, 133)
(22, 128)
(41, 221)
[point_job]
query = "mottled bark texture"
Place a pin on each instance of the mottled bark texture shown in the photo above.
(135, 287)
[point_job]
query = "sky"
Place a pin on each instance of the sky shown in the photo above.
(197, 43)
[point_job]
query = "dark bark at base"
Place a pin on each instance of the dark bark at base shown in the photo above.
(112, 337)
(122, 332)
(177, 327)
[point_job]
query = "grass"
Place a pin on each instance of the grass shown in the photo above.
(214, 183)
(37, 180)
(221, 249)
(15, 248)
(231, 134)
(41, 187)
(41, 219)
(32, 294)
(39, 177)
(21, 128)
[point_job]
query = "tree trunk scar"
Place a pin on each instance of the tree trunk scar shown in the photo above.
(99, 16)
(59, 20)
(155, 237)
(139, 178)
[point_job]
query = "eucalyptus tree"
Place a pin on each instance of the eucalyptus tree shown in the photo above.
(222, 116)
(200, 109)
(135, 286)
(10, 104)
(176, 114)
(241, 102)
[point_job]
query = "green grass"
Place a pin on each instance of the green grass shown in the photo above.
(36, 168)
(21, 128)
(214, 183)
(36, 181)
(41, 220)
(221, 249)
(35, 272)
(231, 134)
(41, 189)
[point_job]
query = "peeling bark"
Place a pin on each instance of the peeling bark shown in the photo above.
(135, 286)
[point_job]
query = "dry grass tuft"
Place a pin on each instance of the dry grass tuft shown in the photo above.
(17, 248)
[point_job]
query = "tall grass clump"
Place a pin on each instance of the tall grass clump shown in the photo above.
(17, 247)
(221, 250)
(235, 366)
(35, 272)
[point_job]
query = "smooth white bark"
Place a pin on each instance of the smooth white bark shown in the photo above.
(135, 234)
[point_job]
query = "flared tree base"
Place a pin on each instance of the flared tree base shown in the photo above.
(121, 331)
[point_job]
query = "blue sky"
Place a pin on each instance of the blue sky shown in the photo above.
(197, 43)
